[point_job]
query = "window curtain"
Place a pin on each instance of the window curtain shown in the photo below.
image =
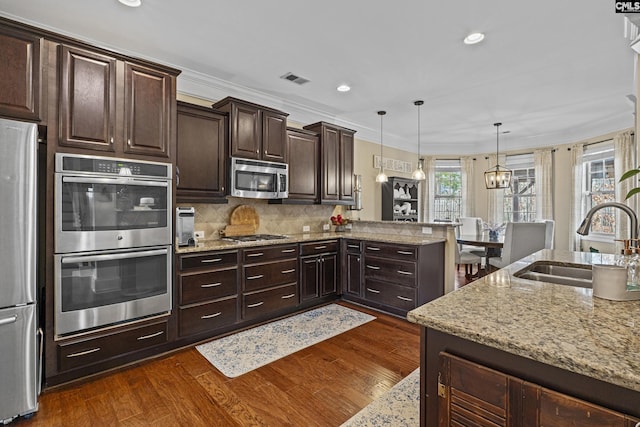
(428, 188)
(496, 197)
(577, 187)
(543, 163)
(623, 160)
(468, 186)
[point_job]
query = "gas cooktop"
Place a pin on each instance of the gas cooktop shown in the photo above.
(255, 237)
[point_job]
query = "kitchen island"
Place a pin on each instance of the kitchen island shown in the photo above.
(543, 338)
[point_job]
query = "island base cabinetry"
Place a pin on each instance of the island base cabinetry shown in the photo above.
(467, 384)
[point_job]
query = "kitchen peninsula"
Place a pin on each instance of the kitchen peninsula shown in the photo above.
(524, 352)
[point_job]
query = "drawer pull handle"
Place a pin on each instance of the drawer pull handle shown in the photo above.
(82, 353)
(256, 254)
(373, 267)
(288, 296)
(321, 247)
(405, 252)
(146, 337)
(258, 304)
(287, 251)
(259, 276)
(375, 291)
(354, 246)
(373, 248)
(406, 273)
(211, 285)
(206, 261)
(211, 316)
(404, 298)
(288, 271)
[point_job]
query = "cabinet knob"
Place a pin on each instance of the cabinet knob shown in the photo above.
(129, 142)
(111, 140)
(257, 151)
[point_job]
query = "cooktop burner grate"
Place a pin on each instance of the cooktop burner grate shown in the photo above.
(255, 237)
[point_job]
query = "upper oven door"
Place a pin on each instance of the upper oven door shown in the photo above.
(94, 213)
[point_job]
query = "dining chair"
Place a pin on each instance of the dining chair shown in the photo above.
(520, 240)
(467, 259)
(469, 225)
(549, 233)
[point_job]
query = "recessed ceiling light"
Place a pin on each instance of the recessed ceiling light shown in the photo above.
(343, 88)
(131, 3)
(474, 38)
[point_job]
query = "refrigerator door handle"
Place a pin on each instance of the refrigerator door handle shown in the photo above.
(8, 320)
(40, 361)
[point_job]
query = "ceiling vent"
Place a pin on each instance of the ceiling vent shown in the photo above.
(296, 79)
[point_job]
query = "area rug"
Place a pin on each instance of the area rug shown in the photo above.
(245, 351)
(398, 407)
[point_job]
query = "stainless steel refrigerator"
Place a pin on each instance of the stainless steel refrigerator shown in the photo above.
(19, 345)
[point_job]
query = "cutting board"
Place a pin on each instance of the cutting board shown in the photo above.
(244, 220)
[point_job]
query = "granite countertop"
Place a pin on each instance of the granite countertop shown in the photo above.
(559, 325)
(218, 244)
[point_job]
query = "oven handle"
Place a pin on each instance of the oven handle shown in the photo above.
(127, 181)
(111, 257)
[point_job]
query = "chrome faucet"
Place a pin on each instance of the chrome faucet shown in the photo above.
(586, 222)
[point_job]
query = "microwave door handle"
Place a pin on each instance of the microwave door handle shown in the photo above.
(112, 257)
(122, 181)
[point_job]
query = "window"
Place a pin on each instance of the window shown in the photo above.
(448, 190)
(599, 187)
(520, 197)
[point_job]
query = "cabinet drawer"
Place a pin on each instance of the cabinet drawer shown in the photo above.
(315, 248)
(207, 317)
(207, 286)
(208, 260)
(270, 274)
(93, 350)
(400, 252)
(353, 246)
(402, 272)
(261, 303)
(401, 297)
(268, 253)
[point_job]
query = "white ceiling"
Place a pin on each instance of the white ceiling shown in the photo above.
(553, 72)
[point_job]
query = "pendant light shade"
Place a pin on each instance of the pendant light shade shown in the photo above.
(497, 177)
(381, 177)
(418, 174)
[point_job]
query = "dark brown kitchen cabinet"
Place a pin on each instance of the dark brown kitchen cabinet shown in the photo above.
(336, 162)
(201, 157)
(255, 131)
(20, 77)
(352, 258)
(473, 394)
(304, 163)
(318, 270)
(114, 105)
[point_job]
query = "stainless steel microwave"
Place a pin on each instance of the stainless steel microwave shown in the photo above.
(257, 179)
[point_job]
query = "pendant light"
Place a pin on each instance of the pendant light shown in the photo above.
(381, 177)
(418, 174)
(497, 177)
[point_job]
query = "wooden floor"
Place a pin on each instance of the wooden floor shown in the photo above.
(323, 385)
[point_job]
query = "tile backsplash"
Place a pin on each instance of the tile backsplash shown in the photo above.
(274, 219)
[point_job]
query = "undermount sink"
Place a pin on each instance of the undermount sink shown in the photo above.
(578, 275)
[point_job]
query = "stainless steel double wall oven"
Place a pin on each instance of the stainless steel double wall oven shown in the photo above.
(113, 241)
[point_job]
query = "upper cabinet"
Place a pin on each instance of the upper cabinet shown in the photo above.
(256, 132)
(201, 158)
(115, 105)
(304, 163)
(336, 163)
(20, 74)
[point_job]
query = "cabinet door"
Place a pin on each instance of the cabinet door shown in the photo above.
(303, 166)
(354, 274)
(246, 131)
(557, 409)
(147, 111)
(274, 137)
(87, 99)
(19, 74)
(346, 166)
(309, 278)
(201, 158)
(328, 277)
(330, 164)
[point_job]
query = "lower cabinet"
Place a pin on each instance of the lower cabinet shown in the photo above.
(318, 270)
(473, 394)
(352, 271)
(264, 303)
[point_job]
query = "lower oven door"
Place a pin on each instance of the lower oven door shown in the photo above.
(95, 289)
